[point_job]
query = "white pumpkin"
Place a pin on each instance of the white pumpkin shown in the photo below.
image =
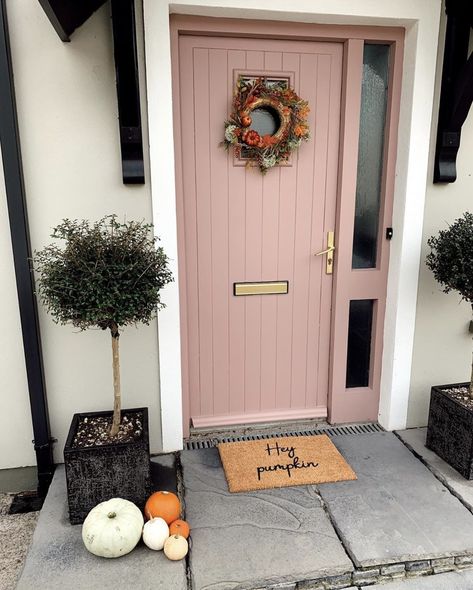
(155, 533)
(112, 528)
(176, 547)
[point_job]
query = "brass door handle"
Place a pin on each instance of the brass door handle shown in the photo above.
(329, 250)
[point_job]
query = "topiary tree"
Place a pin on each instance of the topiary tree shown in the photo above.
(108, 275)
(451, 261)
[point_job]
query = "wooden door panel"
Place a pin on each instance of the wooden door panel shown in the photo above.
(258, 357)
(285, 249)
(236, 260)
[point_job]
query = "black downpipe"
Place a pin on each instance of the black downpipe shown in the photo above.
(17, 213)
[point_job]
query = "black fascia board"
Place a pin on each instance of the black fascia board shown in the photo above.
(68, 15)
(20, 239)
(128, 91)
(456, 92)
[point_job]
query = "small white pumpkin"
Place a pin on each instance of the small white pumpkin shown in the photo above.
(155, 533)
(112, 528)
(176, 547)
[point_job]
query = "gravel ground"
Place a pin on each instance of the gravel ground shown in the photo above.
(16, 531)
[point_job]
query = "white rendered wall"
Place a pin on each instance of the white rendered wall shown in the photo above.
(16, 431)
(68, 125)
(67, 111)
(421, 20)
(443, 344)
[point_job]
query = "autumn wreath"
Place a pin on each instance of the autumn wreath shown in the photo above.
(266, 151)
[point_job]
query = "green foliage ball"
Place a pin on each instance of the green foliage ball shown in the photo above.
(105, 274)
(451, 257)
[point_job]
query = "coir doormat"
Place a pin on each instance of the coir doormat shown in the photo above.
(282, 462)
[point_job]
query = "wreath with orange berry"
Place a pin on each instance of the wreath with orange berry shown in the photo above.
(266, 151)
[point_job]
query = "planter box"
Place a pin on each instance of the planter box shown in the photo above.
(450, 430)
(95, 474)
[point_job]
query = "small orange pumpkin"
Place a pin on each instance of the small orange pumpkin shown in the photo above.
(165, 505)
(246, 120)
(179, 527)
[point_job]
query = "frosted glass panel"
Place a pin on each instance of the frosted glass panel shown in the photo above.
(374, 94)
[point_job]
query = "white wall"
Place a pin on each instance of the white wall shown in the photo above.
(67, 113)
(68, 125)
(442, 344)
(16, 431)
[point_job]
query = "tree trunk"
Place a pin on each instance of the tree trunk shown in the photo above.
(117, 396)
(471, 378)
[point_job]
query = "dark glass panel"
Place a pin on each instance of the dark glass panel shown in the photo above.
(359, 343)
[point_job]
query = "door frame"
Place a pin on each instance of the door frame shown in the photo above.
(409, 189)
(347, 284)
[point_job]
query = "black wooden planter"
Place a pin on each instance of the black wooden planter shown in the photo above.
(96, 474)
(450, 430)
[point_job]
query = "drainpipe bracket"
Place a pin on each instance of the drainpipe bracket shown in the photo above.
(44, 445)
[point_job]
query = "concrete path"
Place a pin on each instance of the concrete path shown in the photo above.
(451, 581)
(396, 511)
(255, 539)
(414, 438)
(58, 560)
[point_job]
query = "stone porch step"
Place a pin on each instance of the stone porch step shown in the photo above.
(396, 520)
(396, 511)
(414, 439)
(450, 581)
(255, 539)
(57, 559)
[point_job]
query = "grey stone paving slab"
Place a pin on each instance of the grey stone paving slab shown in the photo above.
(397, 510)
(451, 581)
(58, 560)
(254, 539)
(414, 438)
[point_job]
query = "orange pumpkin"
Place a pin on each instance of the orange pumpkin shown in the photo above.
(179, 527)
(165, 505)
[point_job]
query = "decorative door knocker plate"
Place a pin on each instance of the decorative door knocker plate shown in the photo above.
(248, 133)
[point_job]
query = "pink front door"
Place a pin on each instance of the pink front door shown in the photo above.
(259, 357)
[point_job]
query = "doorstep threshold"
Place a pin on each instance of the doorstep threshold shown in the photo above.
(205, 439)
